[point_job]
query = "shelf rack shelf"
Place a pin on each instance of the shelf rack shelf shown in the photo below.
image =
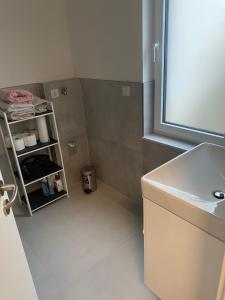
(39, 146)
(53, 170)
(38, 201)
(35, 199)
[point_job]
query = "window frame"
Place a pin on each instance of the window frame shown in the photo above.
(160, 127)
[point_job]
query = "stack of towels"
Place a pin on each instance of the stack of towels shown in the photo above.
(21, 104)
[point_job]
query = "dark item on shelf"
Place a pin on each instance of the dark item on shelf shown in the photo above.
(36, 166)
(88, 177)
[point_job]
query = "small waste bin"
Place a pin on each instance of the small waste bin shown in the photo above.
(88, 177)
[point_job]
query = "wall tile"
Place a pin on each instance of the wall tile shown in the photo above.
(69, 109)
(74, 162)
(111, 116)
(155, 154)
(71, 124)
(118, 166)
(115, 130)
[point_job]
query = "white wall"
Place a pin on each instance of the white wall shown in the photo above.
(106, 38)
(34, 43)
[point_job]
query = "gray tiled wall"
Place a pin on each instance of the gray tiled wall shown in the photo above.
(115, 130)
(114, 125)
(70, 117)
(155, 154)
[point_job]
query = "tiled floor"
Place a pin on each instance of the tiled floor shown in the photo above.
(86, 248)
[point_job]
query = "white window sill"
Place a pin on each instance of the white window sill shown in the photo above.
(169, 142)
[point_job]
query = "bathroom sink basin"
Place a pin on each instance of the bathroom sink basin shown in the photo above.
(185, 186)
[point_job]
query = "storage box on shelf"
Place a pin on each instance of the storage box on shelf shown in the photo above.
(35, 199)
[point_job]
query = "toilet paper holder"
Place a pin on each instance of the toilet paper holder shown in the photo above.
(64, 91)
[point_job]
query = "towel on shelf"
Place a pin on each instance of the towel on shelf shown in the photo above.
(20, 115)
(40, 105)
(17, 111)
(10, 107)
(23, 110)
(16, 96)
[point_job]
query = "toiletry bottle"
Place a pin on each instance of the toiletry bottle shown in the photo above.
(58, 183)
(51, 185)
(45, 187)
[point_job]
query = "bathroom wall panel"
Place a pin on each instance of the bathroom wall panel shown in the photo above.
(71, 123)
(115, 131)
(155, 154)
(118, 166)
(111, 116)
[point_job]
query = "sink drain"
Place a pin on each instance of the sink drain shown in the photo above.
(219, 195)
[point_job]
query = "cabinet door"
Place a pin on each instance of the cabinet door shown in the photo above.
(15, 278)
(182, 262)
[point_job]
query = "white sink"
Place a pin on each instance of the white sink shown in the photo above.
(185, 186)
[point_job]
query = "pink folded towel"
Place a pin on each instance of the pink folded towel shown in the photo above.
(16, 96)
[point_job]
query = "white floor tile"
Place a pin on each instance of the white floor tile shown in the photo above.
(85, 247)
(117, 276)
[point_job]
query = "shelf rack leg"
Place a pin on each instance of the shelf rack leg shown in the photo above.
(60, 151)
(17, 164)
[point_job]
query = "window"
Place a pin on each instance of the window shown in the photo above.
(190, 76)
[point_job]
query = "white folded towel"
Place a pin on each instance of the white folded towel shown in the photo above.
(20, 115)
(15, 107)
(18, 111)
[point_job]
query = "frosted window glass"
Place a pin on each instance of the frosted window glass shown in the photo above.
(195, 65)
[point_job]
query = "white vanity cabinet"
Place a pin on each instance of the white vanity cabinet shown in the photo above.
(182, 262)
(184, 226)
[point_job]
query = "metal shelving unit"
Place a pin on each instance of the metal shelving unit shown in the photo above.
(35, 199)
